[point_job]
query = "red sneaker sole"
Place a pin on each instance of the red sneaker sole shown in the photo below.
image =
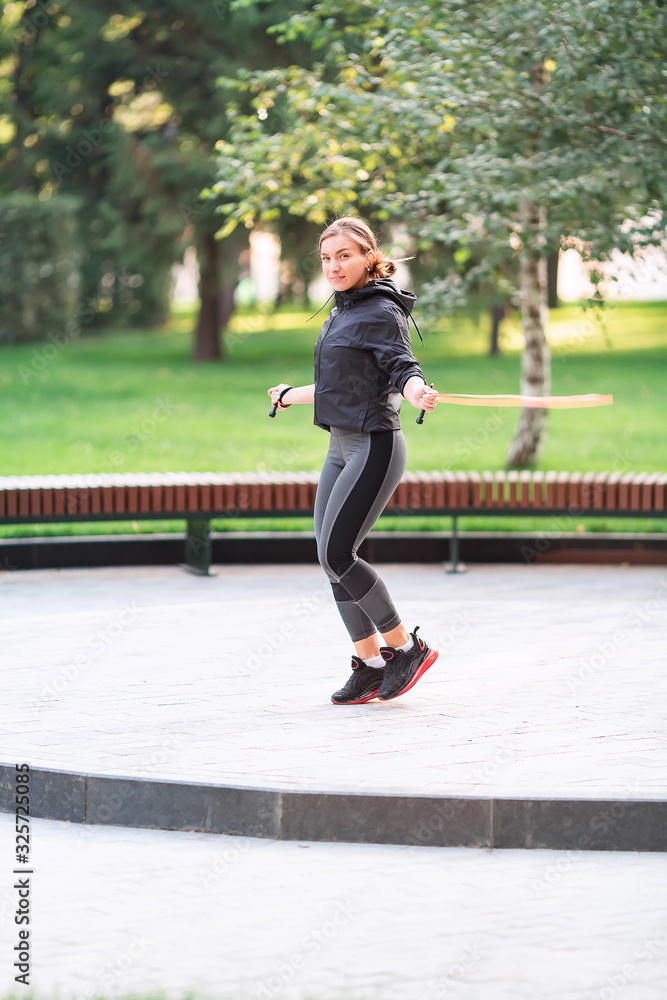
(428, 662)
(359, 701)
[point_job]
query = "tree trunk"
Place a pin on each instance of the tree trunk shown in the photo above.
(497, 316)
(552, 279)
(218, 278)
(535, 358)
(207, 345)
(24, 116)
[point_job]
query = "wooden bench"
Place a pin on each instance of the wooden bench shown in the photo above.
(198, 497)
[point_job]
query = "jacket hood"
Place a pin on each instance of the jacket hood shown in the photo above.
(380, 286)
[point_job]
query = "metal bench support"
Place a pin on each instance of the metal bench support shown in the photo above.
(454, 566)
(198, 547)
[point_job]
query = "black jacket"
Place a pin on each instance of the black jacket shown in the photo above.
(363, 358)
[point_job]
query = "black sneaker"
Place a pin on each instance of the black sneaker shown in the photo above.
(403, 669)
(362, 686)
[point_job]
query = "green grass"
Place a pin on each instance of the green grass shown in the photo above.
(133, 401)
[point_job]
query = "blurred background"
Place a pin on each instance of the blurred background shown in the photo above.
(164, 179)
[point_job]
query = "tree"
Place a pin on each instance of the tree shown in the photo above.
(191, 53)
(61, 138)
(504, 129)
(121, 106)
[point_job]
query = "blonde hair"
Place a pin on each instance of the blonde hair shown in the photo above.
(380, 266)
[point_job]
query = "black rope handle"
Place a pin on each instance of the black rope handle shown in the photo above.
(420, 418)
(279, 401)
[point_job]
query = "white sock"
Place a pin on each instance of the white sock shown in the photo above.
(374, 661)
(408, 645)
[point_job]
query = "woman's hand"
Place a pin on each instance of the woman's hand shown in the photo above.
(420, 395)
(274, 393)
(297, 394)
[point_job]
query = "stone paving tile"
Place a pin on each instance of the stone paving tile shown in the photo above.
(551, 679)
(119, 912)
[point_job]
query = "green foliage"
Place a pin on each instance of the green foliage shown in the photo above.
(444, 115)
(39, 267)
(64, 136)
(120, 106)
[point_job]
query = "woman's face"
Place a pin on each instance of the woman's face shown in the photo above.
(344, 264)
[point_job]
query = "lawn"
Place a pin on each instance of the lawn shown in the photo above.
(133, 401)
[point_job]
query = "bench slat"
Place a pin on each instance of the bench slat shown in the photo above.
(636, 490)
(600, 490)
(487, 489)
(500, 488)
(550, 489)
(660, 493)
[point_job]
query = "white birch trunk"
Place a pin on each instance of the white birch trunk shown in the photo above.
(535, 358)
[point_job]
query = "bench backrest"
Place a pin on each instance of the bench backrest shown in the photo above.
(181, 494)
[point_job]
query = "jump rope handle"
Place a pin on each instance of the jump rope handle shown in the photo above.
(279, 400)
(420, 418)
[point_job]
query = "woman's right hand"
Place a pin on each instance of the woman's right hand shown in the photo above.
(274, 392)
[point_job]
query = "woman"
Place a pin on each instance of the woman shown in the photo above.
(363, 367)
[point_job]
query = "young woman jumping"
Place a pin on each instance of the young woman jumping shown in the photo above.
(364, 367)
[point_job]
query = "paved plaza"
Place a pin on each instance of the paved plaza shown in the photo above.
(551, 680)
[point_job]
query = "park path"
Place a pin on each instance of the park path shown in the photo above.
(118, 912)
(551, 680)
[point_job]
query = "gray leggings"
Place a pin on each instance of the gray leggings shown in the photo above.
(360, 473)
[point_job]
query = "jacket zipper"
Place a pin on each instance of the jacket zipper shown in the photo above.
(329, 320)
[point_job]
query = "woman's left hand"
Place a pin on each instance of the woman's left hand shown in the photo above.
(422, 396)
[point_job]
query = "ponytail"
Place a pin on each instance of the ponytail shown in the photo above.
(382, 267)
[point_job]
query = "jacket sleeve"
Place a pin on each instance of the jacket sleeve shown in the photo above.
(389, 341)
